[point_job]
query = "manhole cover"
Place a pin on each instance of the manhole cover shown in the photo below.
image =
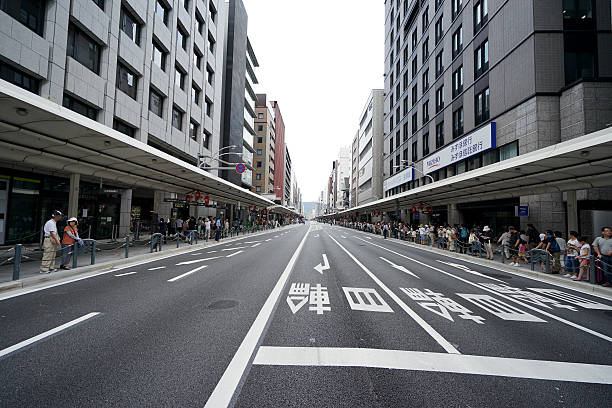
(497, 275)
(223, 304)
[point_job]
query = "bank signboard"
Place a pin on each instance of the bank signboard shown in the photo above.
(400, 178)
(476, 142)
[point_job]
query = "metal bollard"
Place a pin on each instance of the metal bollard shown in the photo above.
(547, 255)
(153, 238)
(75, 255)
(177, 240)
(93, 252)
(532, 260)
(503, 255)
(17, 261)
(127, 246)
(592, 271)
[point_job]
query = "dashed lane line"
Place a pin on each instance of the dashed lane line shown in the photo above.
(255, 245)
(197, 260)
(187, 273)
(232, 249)
(125, 274)
(235, 253)
(156, 268)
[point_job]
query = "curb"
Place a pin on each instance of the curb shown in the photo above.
(114, 264)
(585, 287)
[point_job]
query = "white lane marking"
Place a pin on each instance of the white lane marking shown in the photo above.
(430, 330)
(125, 274)
(235, 253)
(251, 242)
(317, 236)
(48, 333)
(254, 245)
(468, 270)
(434, 362)
(232, 249)
(399, 267)
(499, 308)
(269, 239)
(197, 260)
(211, 252)
(229, 383)
(156, 268)
(276, 236)
(322, 267)
(369, 237)
(199, 268)
(525, 305)
(342, 236)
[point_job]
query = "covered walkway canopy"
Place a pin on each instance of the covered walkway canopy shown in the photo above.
(581, 163)
(40, 134)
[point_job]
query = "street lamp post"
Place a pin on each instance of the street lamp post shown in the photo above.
(414, 168)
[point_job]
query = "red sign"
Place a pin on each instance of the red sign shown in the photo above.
(240, 168)
(206, 200)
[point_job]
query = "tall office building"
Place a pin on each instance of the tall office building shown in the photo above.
(370, 150)
(279, 153)
(472, 83)
(239, 98)
(287, 178)
(265, 142)
(151, 70)
(343, 179)
(354, 170)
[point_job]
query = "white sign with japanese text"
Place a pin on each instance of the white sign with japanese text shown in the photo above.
(476, 142)
(400, 178)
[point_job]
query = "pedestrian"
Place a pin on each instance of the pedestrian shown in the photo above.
(50, 243)
(172, 226)
(514, 242)
(163, 227)
(552, 247)
(585, 259)
(217, 229)
(463, 239)
(207, 229)
(572, 249)
(532, 237)
(562, 251)
(486, 237)
(385, 230)
(603, 249)
(70, 240)
(504, 240)
(226, 228)
(179, 225)
(192, 224)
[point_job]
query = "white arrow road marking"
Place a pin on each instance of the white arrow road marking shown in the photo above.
(232, 249)
(199, 268)
(125, 274)
(399, 267)
(156, 268)
(235, 253)
(48, 333)
(320, 268)
(197, 260)
(254, 245)
(434, 362)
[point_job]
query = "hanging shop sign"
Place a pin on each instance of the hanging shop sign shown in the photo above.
(476, 142)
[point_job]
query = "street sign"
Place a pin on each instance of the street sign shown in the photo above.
(523, 211)
(240, 168)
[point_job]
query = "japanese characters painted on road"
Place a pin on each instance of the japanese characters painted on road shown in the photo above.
(468, 270)
(366, 299)
(527, 297)
(322, 267)
(439, 304)
(570, 298)
(500, 308)
(316, 295)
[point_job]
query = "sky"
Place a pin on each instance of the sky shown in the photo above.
(319, 59)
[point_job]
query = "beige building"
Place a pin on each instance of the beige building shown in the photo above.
(264, 145)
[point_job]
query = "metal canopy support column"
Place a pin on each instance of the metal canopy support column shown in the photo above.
(73, 195)
(125, 214)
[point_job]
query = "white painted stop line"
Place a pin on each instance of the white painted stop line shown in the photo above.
(434, 362)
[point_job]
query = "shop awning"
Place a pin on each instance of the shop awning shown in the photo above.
(36, 133)
(581, 163)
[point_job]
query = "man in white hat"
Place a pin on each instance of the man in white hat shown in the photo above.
(69, 241)
(50, 243)
(486, 236)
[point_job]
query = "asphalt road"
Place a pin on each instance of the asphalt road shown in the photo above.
(306, 316)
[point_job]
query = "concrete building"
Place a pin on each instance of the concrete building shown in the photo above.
(279, 153)
(369, 176)
(471, 84)
(151, 70)
(354, 170)
(265, 141)
(342, 182)
(239, 98)
(287, 178)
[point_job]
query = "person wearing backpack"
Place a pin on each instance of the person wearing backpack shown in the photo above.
(552, 247)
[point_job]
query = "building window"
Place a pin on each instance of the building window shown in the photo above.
(199, 22)
(260, 139)
(391, 145)
(161, 12)
(440, 135)
(391, 167)
(397, 139)
(405, 157)
(197, 58)
(580, 49)
(195, 95)
(79, 107)
(425, 80)
(457, 41)
(123, 128)
(186, 4)
(458, 122)
(414, 95)
(210, 75)
(405, 58)
(414, 67)
(481, 59)
(209, 108)
(425, 112)
(425, 144)
(177, 118)
(405, 106)
(458, 81)
(127, 81)
(83, 49)
(414, 39)
(206, 139)
(439, 63)
(179, 77)
(211, 43)
(415, 153)
(181, 37)
(156, 102)
(259, 164)
(481, 13)
(425, 19)
(260, 129)
(405, 131)
(30, 13)
(129, 25)
(193, 130)
(481, 102)
(212, 12)
(440, 99)
(438, 3)
(425, 49)
(456, 7)
(258, 189)
(19, 78)
(415, 123)
(99, 3)
(260, 115)
(257, 176)
(159, 56)
(439, 30)
(259, 152)
(508, 151)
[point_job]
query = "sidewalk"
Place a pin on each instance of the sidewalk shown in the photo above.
(109, 255)
(523, 270)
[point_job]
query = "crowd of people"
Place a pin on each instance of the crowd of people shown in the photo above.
(206, 228)
(571, 257)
